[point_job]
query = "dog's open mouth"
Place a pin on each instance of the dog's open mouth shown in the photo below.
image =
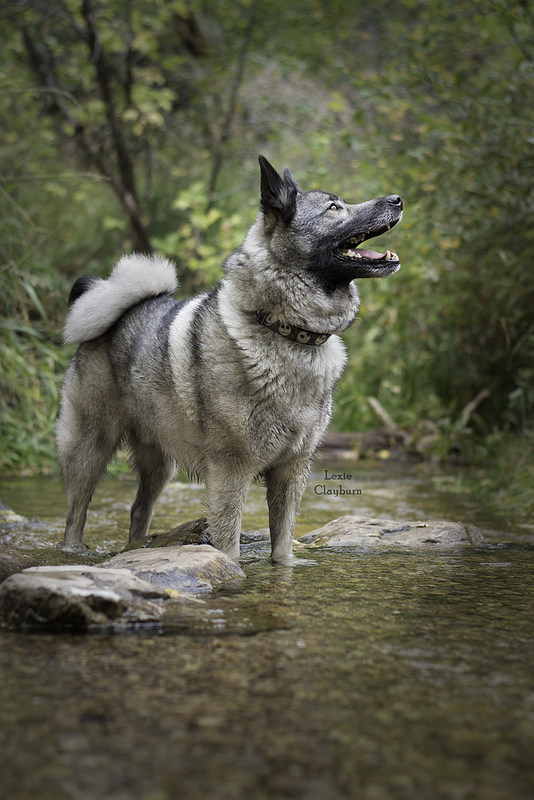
(349, 247)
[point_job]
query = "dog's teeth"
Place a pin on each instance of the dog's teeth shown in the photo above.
(351, 253)
(388, 255)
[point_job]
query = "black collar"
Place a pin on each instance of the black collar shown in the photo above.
(291, 332)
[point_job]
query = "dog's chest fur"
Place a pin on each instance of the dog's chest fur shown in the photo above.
(284, 389)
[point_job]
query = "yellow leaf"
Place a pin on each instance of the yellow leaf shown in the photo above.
(337, 102)
(449, 244)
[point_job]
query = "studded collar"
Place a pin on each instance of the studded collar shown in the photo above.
(291, 332)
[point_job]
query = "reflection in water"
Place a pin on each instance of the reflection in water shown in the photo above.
(378, 675)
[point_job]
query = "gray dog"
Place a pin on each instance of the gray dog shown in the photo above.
(232, 385)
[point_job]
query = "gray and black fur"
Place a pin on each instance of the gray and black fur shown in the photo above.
(232, 385)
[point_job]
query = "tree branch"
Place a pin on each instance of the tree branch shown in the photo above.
(128, 198)
(42, 63)
(232, 105)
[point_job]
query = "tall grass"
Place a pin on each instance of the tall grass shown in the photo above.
(32, 367)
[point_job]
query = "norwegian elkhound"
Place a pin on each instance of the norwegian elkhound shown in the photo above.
(232, 385)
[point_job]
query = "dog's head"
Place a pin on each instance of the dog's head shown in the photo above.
(325, 230)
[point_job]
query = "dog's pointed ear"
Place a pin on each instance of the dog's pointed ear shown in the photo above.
(288, 178)
(278, 195)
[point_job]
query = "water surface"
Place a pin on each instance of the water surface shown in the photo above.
(373, 674)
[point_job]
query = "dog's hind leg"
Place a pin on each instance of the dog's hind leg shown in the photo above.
(88, 432)
(155, 469)
(228, 486)
(83, 463)
(285, 486)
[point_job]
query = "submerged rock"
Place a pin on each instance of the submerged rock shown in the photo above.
(371, 532)
(14, 526)
(188, 568)
(78, 596)
(9, 519)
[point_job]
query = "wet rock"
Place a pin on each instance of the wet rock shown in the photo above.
(254, 537)
(351, 530)
(78, 597)
(193, 532)
(188, 568)
(12, 561)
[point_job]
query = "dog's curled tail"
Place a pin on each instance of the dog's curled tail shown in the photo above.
(97, 303)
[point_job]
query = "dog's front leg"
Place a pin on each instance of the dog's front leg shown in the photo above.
(227, 486)
(285, 487)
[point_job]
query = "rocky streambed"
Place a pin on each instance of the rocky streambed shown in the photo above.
(134, 586)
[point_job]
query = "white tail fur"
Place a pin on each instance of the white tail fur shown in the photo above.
(133, 278)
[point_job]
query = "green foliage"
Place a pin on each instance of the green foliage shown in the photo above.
(32, 367)
(198, 235)
(459, 110)
(503, 485)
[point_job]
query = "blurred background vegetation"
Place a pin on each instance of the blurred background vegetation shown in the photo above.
(136, 125)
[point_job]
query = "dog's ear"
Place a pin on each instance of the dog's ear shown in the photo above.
(278, 195)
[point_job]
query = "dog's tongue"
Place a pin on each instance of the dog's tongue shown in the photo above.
(372, 254)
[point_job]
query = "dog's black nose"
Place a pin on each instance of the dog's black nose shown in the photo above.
(395, 200)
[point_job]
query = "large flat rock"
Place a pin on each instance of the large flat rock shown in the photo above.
(129, 588)
(362, 531)
(78, 596)
(190, 568)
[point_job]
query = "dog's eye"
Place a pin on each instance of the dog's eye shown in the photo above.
(334, 207)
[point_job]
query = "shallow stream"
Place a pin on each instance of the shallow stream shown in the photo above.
(360, 673)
